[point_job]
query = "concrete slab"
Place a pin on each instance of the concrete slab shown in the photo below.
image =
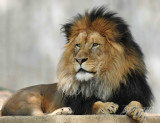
(77, 119)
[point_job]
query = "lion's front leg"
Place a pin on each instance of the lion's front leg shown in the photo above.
(104, 108)
(62, 111)
(135, 110)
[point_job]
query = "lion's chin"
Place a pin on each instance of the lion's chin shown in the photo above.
(84, 76)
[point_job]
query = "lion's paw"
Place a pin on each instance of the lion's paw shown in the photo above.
(134, 110)
(62, 111)
(104, 108)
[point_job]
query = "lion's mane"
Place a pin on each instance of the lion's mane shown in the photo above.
(122, 79)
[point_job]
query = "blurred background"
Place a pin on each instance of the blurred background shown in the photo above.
(31, 42)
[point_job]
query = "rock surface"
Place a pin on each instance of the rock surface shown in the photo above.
(155, 118)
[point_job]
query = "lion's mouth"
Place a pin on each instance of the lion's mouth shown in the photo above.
(85, 71)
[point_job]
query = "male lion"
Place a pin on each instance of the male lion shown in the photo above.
(101, 72)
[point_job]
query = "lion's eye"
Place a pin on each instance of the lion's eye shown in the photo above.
(95, 45)
(77, 46)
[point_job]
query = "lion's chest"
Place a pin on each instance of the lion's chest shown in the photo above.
(93, 89)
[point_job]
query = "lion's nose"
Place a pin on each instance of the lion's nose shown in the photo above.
(81, 60)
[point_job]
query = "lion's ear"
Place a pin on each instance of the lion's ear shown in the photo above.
(66, 29)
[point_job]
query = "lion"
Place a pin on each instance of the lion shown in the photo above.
(101, 71)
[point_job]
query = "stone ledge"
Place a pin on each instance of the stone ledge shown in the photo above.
(77, 119)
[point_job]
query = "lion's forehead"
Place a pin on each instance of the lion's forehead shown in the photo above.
(89, 37)
(81, 35)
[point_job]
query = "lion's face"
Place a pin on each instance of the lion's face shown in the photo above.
(88, 55)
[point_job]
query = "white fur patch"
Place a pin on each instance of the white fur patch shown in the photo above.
(84, 76)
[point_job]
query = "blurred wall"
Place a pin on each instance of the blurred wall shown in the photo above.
(31, 42)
